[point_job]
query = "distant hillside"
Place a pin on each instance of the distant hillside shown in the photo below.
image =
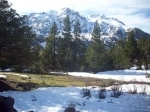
(139, 33)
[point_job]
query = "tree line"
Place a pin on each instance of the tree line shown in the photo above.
(65, 51)
(72, 52)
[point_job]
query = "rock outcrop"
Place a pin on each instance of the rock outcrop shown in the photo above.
(6, 104)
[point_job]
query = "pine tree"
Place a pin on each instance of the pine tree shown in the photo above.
(143, 53)
(21, 47)
(54, 33)
(96, 51)
(4, 34)
(80, 47)
(147, 53)
(60, 55)
(49, 53)
(16, 39)
(66, 51)
(77, 44)
(117, 54)
(36, 66)
(130, 50)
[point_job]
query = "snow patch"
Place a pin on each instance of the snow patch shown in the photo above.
(17, 74)
(126, 75)
(2, 76)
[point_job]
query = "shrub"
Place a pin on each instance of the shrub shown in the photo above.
(70, 109)
(143, 90)
(101, 94)
(117, 91)
(103, 89)
(134, 91)
(147, 75)
(103, 86)
(71, 106)
(86, 92)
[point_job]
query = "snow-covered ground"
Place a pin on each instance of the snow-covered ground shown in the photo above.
(3, 76)
(56, 99)
(125, 75)
(11, 73)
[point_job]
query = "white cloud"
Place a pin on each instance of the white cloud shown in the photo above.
(134, 13)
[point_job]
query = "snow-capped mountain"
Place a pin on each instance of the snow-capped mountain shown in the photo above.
(111, 28)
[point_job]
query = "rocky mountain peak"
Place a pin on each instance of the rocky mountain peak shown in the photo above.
(98, 16)
(111, 28)
(67, 11)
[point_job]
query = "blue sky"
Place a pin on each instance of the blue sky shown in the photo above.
(134, 13)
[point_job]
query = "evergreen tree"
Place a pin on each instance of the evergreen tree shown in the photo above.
(147, 53)
(143, 53)
(21, 47)
(78, 48)
(4, 33)
(54, 33)
(60, 55)
(36, 66)
(65, 49)
(49, 53)
(130, 50)
(96, 51)
(117, 54)
(16, 39)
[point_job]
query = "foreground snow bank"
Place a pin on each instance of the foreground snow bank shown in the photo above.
(56, 99)
(2, 76)
(126, 75)
(11, 73)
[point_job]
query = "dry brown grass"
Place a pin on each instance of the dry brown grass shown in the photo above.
(13, 79)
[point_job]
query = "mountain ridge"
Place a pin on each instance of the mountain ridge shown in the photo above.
(111, 28)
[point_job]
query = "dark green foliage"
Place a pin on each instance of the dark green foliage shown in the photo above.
(65, 52)
(49, 52)
(36, 60)
(96, 52)
(130, 50)
(116, 53)
(79, 49)
(16, 39)
(143, 52)
(77, 41)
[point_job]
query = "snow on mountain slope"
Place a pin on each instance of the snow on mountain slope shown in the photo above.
(111, 28)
